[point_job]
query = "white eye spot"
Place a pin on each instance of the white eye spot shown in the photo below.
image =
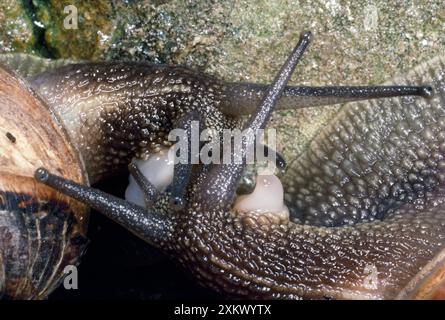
(158, 169)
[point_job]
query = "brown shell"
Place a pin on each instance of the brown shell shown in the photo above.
(429, 283)
(41, 230)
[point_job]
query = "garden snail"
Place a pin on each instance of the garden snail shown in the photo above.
(41, 231)
(367, 192)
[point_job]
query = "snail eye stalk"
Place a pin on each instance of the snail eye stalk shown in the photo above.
(280, 162)
(346, 93)
(222, 180)
(151, 194)
(183, 171)
(148, 225)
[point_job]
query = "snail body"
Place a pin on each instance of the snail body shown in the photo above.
(115, 111)
(368, 198)
(104, 114)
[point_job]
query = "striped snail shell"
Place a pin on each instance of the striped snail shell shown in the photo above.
(41, 231)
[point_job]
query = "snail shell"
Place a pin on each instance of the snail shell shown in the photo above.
(41, 230)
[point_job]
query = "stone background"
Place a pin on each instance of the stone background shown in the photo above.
(355, 42)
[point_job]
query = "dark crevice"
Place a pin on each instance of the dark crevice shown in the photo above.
(119, 265)
(40, 45)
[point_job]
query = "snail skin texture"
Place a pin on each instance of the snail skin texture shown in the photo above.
(365, 200)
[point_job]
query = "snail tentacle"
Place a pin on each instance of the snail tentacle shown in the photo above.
(225, 177)
(151, 194)
(150, 226)
(245, 96)
(280, 162)
(182, 173)
(184, 163)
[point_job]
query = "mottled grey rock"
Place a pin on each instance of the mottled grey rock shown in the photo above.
(355, 42)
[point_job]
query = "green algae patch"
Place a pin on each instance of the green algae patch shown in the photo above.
(87, 41)
(16, 32)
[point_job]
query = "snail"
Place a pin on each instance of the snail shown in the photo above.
(365, 200)
(41, 231)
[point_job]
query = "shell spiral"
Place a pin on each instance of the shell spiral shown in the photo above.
(41, 231)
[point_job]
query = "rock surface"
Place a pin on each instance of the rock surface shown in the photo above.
(355, 42)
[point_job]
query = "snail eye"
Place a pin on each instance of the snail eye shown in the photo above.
(267, 197)
(41, 175)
